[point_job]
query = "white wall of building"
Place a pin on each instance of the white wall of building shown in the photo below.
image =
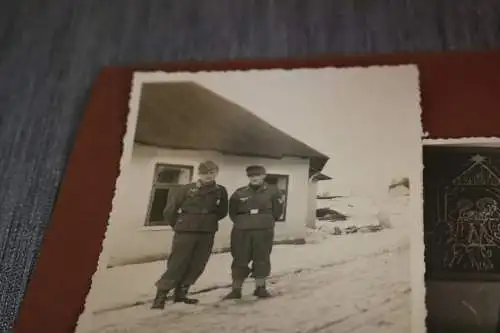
(312, 202)
(132, 242)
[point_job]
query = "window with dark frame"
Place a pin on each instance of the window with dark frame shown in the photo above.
(281, 182)
(166, 178)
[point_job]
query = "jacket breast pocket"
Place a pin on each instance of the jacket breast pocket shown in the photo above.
(245, 204)
(212, 201)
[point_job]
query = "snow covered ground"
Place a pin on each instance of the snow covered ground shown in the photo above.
(356, 283)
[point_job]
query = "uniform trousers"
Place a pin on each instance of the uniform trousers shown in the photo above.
(251, 246)
(187, 260)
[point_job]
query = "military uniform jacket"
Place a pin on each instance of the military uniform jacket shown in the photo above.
(197, 208)
(251, 209)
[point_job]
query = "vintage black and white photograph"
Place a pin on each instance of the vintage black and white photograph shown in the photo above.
(266, 201)
(462, 234)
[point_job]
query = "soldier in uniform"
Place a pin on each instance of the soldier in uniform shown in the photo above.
(194, 212)
(254, 210)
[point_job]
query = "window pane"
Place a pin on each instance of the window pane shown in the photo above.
(272, 180)
(168, 175)
(281, 182)
(185, 176)
(158, 203)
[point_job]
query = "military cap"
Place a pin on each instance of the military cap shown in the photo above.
(207, 166)
(255, 170)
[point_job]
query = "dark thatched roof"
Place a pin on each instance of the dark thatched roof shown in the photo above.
(185, 115)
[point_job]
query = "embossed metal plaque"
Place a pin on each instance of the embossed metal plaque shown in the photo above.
(462, 212)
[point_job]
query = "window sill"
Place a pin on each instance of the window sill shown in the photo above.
(156, 228)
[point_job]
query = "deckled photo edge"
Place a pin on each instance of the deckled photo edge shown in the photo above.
(477, 141)
(417, 246)
(127, 146)
(141, 76)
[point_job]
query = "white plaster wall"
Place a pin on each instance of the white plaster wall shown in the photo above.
(132, 242)
(312, 202)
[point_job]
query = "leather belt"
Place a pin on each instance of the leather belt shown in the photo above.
(256, 212)
(196, 213)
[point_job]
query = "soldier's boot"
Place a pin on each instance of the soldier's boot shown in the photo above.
(260, 289)
(262, 292)
(160, 299)
(180, 295)
(235, 292)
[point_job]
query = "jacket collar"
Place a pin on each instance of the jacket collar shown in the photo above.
(261, 188)
(199, 185)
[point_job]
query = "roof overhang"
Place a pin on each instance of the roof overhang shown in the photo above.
(318, 176)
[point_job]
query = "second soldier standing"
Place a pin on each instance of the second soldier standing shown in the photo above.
(194, 213)
(254, 210)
